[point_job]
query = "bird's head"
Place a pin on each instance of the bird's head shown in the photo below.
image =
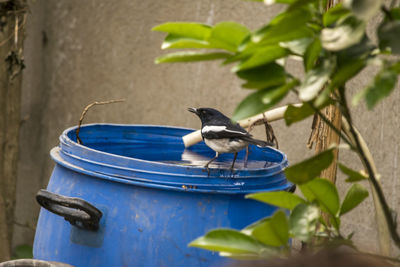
(208, 114)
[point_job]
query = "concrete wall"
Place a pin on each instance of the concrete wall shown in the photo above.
(78, 52)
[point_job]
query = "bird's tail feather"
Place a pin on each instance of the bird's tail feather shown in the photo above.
(257, 142)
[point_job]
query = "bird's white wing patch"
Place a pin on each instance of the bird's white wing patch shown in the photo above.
(207, 129)
(214, 129)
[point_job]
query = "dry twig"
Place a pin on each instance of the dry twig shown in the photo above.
(87, 109)
(269, 132)
(14, 34)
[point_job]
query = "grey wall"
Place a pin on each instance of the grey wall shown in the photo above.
(78, 52)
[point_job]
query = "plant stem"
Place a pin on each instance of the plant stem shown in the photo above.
(383, 231)
(371, 173)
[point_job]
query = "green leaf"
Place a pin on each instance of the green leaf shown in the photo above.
(243, 256)
(228, 35)
(348, 32)
(185, 29)
(357, 97)
(324, 192)
(350, 236)
(276, 35)
(272, 97)
(311, 54)
(286, 26)
(353, 176)
(299, 3)
(303, 221)
(395, 13)
(224, 35)
(177, 41)
(388, 34)
(264, 76)
(396, 67)
(280, 199)
(294, 114)
(324, 99)
(261, 100)
(361, 50)
(309, 169)
(315, 80)
(273, 231)
(298, 47)
(364, 9)
(381, 87)
(227, 240)
(237, 57)
(356, 194)
(261, 57)
(23, 252)
(190, 57)
(334, 14)
(347, 71)
(271, 2)
(335, 221)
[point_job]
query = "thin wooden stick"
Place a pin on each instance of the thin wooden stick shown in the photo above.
(324, 136)
(14, 33)
(87, 109)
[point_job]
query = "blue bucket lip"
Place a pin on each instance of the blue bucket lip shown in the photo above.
(159, 174)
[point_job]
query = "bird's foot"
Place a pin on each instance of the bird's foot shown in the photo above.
(232, 173)
(208, 170)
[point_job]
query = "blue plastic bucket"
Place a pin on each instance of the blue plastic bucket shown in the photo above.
(148, 195)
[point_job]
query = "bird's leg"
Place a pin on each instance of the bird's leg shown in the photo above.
(246, 157)
(233, 163)
(234, 159)
(208, 163)
(214, 158)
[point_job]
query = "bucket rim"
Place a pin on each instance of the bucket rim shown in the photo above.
(185, 187)
(64, 138)
(149, 173)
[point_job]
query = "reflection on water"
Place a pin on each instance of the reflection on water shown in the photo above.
(239, 164)
(190, 158)
(175, 153)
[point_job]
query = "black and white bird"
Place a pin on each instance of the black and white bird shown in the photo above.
(222, 135)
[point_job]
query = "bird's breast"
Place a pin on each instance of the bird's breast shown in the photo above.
(226, 145)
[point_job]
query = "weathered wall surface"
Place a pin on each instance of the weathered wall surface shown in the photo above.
(78, 52)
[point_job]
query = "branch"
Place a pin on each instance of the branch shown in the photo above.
(383, 231)
(87, 109)
(368, 164)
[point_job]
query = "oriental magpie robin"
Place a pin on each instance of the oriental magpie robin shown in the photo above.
(222, 135)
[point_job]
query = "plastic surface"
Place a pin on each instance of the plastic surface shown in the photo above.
(154, 197)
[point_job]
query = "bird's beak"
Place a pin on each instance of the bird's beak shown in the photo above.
(193, 110)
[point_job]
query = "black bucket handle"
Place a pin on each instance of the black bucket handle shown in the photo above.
(76, 211)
